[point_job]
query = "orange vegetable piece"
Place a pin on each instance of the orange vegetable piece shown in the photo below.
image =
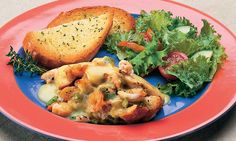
(131, 45)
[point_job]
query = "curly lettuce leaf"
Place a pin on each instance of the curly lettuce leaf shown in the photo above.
(148, 59)
(208, 29)
(182, 21)
(178, 88)
(143, 21)
(123, 53)
(171, 33)
(192, 72)
(188, 46)
(178, 41)
(157, 20)
(210, 40)
(207, 40)
(171, 37)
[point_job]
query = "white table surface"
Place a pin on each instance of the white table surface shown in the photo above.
(222, 130)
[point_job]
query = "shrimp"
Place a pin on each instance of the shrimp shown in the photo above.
(68, 92)
(133, 114)
(114, 78)
(133, 95)
(125, 67)
(84, 85)
(134, 81)
(49, 76)
(95, 101)
(62, 109)
(144, 113)
(65, 75)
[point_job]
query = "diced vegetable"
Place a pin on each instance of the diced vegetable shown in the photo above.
(149, 33)
(206, 53)
(172, 59)
(107, 94)
(183, 29)
(72, 117)
(123, 53)
(181, 22)
(52, 100)
(135, 47)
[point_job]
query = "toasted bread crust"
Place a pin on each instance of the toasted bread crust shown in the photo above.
(49, 58)
(122, 20)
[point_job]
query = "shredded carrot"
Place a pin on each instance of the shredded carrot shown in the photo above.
(149, 33)
(131, 45)
(136, 47)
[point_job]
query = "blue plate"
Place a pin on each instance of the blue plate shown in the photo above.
(31, 84)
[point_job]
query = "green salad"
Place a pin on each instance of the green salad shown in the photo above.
(172, 46)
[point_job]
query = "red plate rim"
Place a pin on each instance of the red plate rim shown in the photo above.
(12, 102)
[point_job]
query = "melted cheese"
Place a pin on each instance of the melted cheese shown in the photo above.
(93, 79)
(47, 92)
(117, 108)
(165, 97)
(95, 74)
(78, 112)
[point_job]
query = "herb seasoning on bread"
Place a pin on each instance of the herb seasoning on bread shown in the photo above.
(122, 20)
(73, 42)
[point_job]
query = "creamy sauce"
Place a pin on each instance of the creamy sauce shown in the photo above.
(91, 97)
(165, 97)
(95, 74)
(78, 112)
(47, 91)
